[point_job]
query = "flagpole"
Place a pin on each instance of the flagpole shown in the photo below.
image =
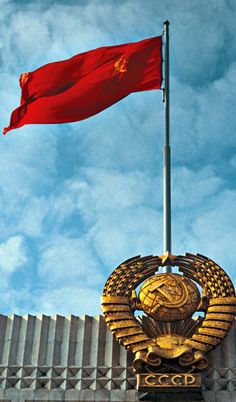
(166, 154)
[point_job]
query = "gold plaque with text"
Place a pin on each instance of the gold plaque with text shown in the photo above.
(168, 380)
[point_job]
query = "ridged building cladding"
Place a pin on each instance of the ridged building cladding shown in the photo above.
(56, 358)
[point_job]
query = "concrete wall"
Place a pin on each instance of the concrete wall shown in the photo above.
(76, 358)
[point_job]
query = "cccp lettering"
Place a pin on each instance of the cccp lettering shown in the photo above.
(189, 379)
(177, 379)
(163, 379)
(149, 380)
(170, 380)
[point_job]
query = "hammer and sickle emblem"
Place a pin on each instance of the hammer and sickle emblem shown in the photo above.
(120, 66)
(170, 300)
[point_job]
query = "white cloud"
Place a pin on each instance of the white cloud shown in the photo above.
(126, 233)
(65, 260)
(69, 300)
(15, 301)
(103, 190)
(32, 216)
(209, 229)
(12, 254)
(218, 235)
(233, 161)
(191, 187)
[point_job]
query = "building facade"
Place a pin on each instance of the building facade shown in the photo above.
(56, 358)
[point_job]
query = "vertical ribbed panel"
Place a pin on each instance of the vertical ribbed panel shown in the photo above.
(84, 341)
(22, 341)
(7, 341)
(14, 340)
(93, 353)
(3, 326)
(112, 350)
(34, 358)
(65, 342)
(97, 342)
(215, 357)
(50, 341)
(57, 339)
(225, 354)
(80, 342)
(73, 331)
(43, 340)
(29, 340)
(231, 341)
(76, 341)
(58, 355)
(101, 338)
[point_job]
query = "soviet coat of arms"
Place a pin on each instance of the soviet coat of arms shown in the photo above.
(185, 315)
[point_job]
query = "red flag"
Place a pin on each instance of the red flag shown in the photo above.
(77, 88)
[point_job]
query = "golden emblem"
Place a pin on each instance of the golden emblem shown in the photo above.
(169, 297)
(120, 66)
(167, 338)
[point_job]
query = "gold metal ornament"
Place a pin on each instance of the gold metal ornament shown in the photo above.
(169, 341)
(169, 297)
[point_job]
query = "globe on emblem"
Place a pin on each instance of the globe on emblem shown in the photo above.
(169, 297)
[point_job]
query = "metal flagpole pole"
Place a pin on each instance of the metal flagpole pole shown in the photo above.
(166, 155)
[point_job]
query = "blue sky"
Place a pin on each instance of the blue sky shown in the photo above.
(78, 199)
